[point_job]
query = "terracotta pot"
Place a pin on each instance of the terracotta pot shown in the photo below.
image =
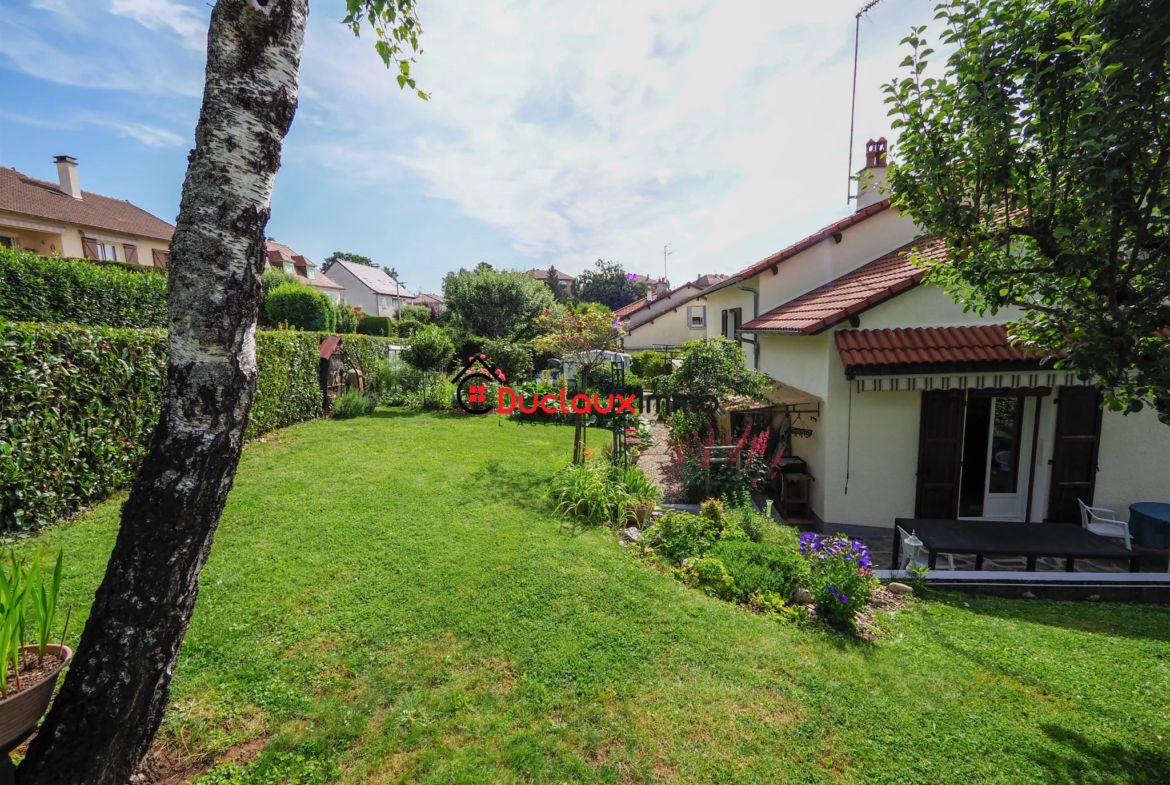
(21, 711)
(642, 513)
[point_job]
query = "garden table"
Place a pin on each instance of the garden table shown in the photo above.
(1149, 524)
(1010, 538)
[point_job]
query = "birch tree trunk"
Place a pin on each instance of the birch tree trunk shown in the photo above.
(114, 696)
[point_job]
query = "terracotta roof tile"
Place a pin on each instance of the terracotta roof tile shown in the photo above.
(29, 196)
(852, 293)
(894, 349)
(278, 253)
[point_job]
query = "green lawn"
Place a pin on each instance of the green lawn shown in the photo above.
(389, 600)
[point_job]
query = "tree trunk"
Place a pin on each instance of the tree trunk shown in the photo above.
(113, 699)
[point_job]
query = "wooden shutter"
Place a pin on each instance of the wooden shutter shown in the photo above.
(1074, 453)
(131, 252)
(89, 248)
(723, 326)
(160, 257)
(940, 450)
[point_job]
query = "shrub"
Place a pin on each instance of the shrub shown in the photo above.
(763, 567)
(275, 277)
(345, 319)
(429, 349)
(680, 535)
(685, 425)
(301, 306)
(842, 582)
(744, 517)
(36, 289)
(385, 380)
(288, 390)
(710, 575)
(647, 364)
(376, 325)
(714, 368)
(352, 403)
(414, 313)
(77, 408)
(712, 510)
(514, 359)
(600, 493)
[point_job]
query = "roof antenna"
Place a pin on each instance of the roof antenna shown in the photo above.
(665, 254)
(865, 9)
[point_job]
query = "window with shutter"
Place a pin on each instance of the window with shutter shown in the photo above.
(160, 257)
(89, 248)
(723, 326)
(131, 253)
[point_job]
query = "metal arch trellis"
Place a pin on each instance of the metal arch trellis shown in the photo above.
(617, 384)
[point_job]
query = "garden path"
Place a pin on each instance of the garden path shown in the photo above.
(655, 462)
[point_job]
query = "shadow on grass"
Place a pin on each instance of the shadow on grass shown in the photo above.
(1079, 759)
(1140, 621)
(404, 412)
(521, 485)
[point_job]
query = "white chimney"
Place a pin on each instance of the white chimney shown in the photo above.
(67, 175)
(873, 175)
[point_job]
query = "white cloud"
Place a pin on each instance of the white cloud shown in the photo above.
(149, 135)
(165, 14)
(613, 128)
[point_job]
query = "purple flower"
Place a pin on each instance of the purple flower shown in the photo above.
(632, 276)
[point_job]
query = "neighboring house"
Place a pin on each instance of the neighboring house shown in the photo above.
(59, 218)
(542, 275)
(905, 406)
(370, 287)
(285, 258)
(437, 304)
(667, 319)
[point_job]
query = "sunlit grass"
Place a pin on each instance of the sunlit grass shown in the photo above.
(390, 599)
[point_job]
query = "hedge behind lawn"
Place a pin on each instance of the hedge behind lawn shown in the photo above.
(78, 406)
(36, 289)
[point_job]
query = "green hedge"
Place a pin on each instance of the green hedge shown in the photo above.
(376, 325)
(78, 405)
(36, 289)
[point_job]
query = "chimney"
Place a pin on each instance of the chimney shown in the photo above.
(874, 173)
(67, 175)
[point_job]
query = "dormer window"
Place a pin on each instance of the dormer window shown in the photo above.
(290, 268)
(311, 273)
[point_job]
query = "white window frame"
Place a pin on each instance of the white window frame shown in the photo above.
(107, 252)
(289, 268)
(311, 272)
(702, 323)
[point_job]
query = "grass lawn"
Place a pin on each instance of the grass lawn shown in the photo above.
(389, 600)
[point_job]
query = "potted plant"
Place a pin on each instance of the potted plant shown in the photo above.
(641, 495)
(33, 669)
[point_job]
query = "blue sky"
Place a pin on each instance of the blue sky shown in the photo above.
(557, 132)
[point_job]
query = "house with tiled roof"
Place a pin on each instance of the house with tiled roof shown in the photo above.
(902, 404)
(669, 319)
(58, 218)
(282, 257)
(437, 304)
(371, 288)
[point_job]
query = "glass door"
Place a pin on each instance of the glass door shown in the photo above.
(996, 450)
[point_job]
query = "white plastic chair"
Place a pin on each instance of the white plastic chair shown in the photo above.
(1104, 522)
(922, 558)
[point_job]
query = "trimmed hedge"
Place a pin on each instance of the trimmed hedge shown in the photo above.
(376, 325)
(36, 289)
(78, 406)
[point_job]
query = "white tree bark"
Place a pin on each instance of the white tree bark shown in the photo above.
(114, 696)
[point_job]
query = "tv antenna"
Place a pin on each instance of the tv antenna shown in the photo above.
(665, 253)
(865, 9)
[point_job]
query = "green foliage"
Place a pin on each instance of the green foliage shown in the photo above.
(430, 348)
(77, 407)
(274, 277)
(687, 425)
(715, 368)
(376, 325)
(648, 364)
(36, 289)
(742, 515)
(355, 258)
(841, 580)
(710, 576)
(712, 510)
(352, 403)
(599, 493)
(680, 535)
(385, 380)
(495, 304)
(345, 319)
(608, 284)
(44, 598)
(769, 568)
(414, 313)
(556, 286)
(13, 593)
(301, 306)
(1039, 157)
(514, 359)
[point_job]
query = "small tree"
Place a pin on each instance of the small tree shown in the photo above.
(414, 313)
(716, 368)
(429, 350)
(514, 359)
(490, 303)
(556, 285)
(355, 258)
(609, 284)
(346, 318)
(585, 338)
(300, 306)
(1040, 157)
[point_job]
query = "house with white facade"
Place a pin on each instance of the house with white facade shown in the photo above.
(670, 318)
(906, 406)
(371, 288)
(282, 257)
